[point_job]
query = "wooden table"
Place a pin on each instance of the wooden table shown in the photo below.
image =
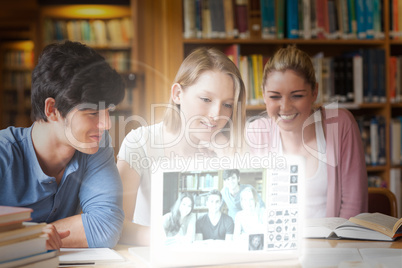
(133, 261)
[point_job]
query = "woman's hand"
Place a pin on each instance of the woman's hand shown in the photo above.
(54, 238)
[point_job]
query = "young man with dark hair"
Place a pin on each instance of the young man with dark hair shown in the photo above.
(215, 224)
(64, 163)
(231, 191)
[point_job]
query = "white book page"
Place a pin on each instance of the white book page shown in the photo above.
(81, 256)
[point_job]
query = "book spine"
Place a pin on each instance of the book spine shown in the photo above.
(265, 23)
(358, 78)
(374, 141)
(206, 20)
(361, 19)
(280, 18)
(352, 19)
(307, 19)
(189, 19)
(382, 94)
(382, 158)
(377, 19)
(242, 18)
(392, 78)
(228, 18)
(320, 10)
(198, 18)
(292, 19)
(369, 14)
(332, 20)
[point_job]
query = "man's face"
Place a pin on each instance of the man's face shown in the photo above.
(232, 182)
(214, 203)
(256, 241)
(84, 128)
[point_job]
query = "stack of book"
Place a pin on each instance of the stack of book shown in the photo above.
(23, 244)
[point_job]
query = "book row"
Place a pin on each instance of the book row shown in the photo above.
(18, 59)
(16, 80)
(119, 60)
(372, 130)
(278, 19)
(355, 77)
(113, 32)
(199, 182)
(215, 19)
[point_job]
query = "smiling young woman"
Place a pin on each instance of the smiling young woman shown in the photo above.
(207, 106)
(328, 139)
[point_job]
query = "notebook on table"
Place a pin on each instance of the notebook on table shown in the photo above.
(278, 182)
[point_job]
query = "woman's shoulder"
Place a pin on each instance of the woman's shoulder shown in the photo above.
(339, 114)
(259, 122)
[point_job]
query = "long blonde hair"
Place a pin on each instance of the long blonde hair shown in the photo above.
(198, 62)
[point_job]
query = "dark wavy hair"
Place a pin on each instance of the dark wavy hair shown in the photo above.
(173, 226)
(227, 173)
(72, 74)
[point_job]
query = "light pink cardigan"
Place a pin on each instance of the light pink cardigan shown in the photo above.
(347, 176)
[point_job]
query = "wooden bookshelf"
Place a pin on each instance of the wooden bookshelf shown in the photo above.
(17, 62)
(170, 17)
(112, 31)
(18, 30)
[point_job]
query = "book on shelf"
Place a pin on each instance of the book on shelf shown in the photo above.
(228, 9)
(365, 226)
(241, 15)
(115, 32)
(292, 19)
(277, 19)
(395, 141)
(189, 20)
(395, 186)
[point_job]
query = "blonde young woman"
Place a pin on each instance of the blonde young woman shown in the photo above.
(329, 139)
(206, 114)
(250, 219)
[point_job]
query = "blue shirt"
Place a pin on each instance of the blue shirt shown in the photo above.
(90, 183)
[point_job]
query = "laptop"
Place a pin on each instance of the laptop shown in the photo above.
(269, 228)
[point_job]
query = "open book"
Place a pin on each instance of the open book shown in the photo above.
(365, 226)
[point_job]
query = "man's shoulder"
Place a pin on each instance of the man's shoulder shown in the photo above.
(226, 218)
(12, 137)
(202, 218)
(244, 186)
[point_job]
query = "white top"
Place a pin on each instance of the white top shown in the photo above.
(316, 186)
(139, 149)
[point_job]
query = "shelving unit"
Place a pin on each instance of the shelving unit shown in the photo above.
(199, 184)
(112, 31)
(17, 62)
